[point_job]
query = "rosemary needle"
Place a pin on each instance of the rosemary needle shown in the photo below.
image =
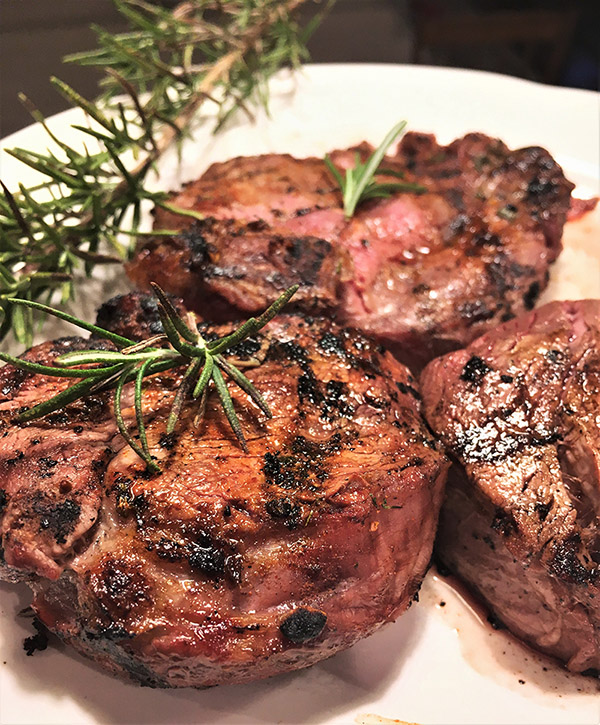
(156, 77)
(183, 347)
(358, 184)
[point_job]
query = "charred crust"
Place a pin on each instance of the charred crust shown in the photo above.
(303, 625)
(258, 225)
(3, 500)
(530, 297)
(123, 496)
(110, 632)
(545, 439)
(207, 559)
(554, 356)
(356, 351)
(488, 541)
(476, 311)
(285, 509)
(13, 381)
(61, 345)
(543, 509)
(46, 466)
(504, 523)
(413, 463)
(254, 627)
(332, 344)
(167, 441)
(37, 642)
(538, 189)
(458, 224)
(487, 239)
(214, 559)
(307, 388)
(196, 243)
(475, 370)
(121, 587)
(302, 466)
(408, 389)
(335, 401)
(247, 348)
(167, 549)
(566, 563)
(90, 408)
(59, 518)
(377, 403)
(19, 456)
(305, 256)
(134, 315)
(288, 351)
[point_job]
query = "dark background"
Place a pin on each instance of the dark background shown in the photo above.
(542, 40)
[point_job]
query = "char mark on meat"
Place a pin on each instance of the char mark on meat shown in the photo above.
(226, 567)
(424, 274)
(226, 268)
(519, 411)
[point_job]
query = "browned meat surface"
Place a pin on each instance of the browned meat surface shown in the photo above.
(50, 472)
(423, 274)
(226, 567)
(134, 315)
(519, 409)
(222, 267)
(256, 188)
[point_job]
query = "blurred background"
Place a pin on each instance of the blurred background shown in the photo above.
(550, 41)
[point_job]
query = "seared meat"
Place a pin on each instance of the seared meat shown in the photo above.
(519, 409)
(424, 274)
(220, 267)
(226, 567)
(50, 472)
(134, 315)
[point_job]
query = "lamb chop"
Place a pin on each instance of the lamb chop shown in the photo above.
(421, 273)
(519, 410)
(226, 566)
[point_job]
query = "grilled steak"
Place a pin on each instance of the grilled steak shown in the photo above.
(220, 267)
(226, 567)
(519, 409)
(423, 274)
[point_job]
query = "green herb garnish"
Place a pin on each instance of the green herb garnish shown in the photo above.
(156, 77)
(182, 346)
(359, 183)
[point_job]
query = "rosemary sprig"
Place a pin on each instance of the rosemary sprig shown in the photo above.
(132, 361)
(88, 207)
(359, 183)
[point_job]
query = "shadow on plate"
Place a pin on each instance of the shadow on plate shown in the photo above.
(345, 682)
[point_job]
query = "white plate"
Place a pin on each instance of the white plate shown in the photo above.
(435, 664)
